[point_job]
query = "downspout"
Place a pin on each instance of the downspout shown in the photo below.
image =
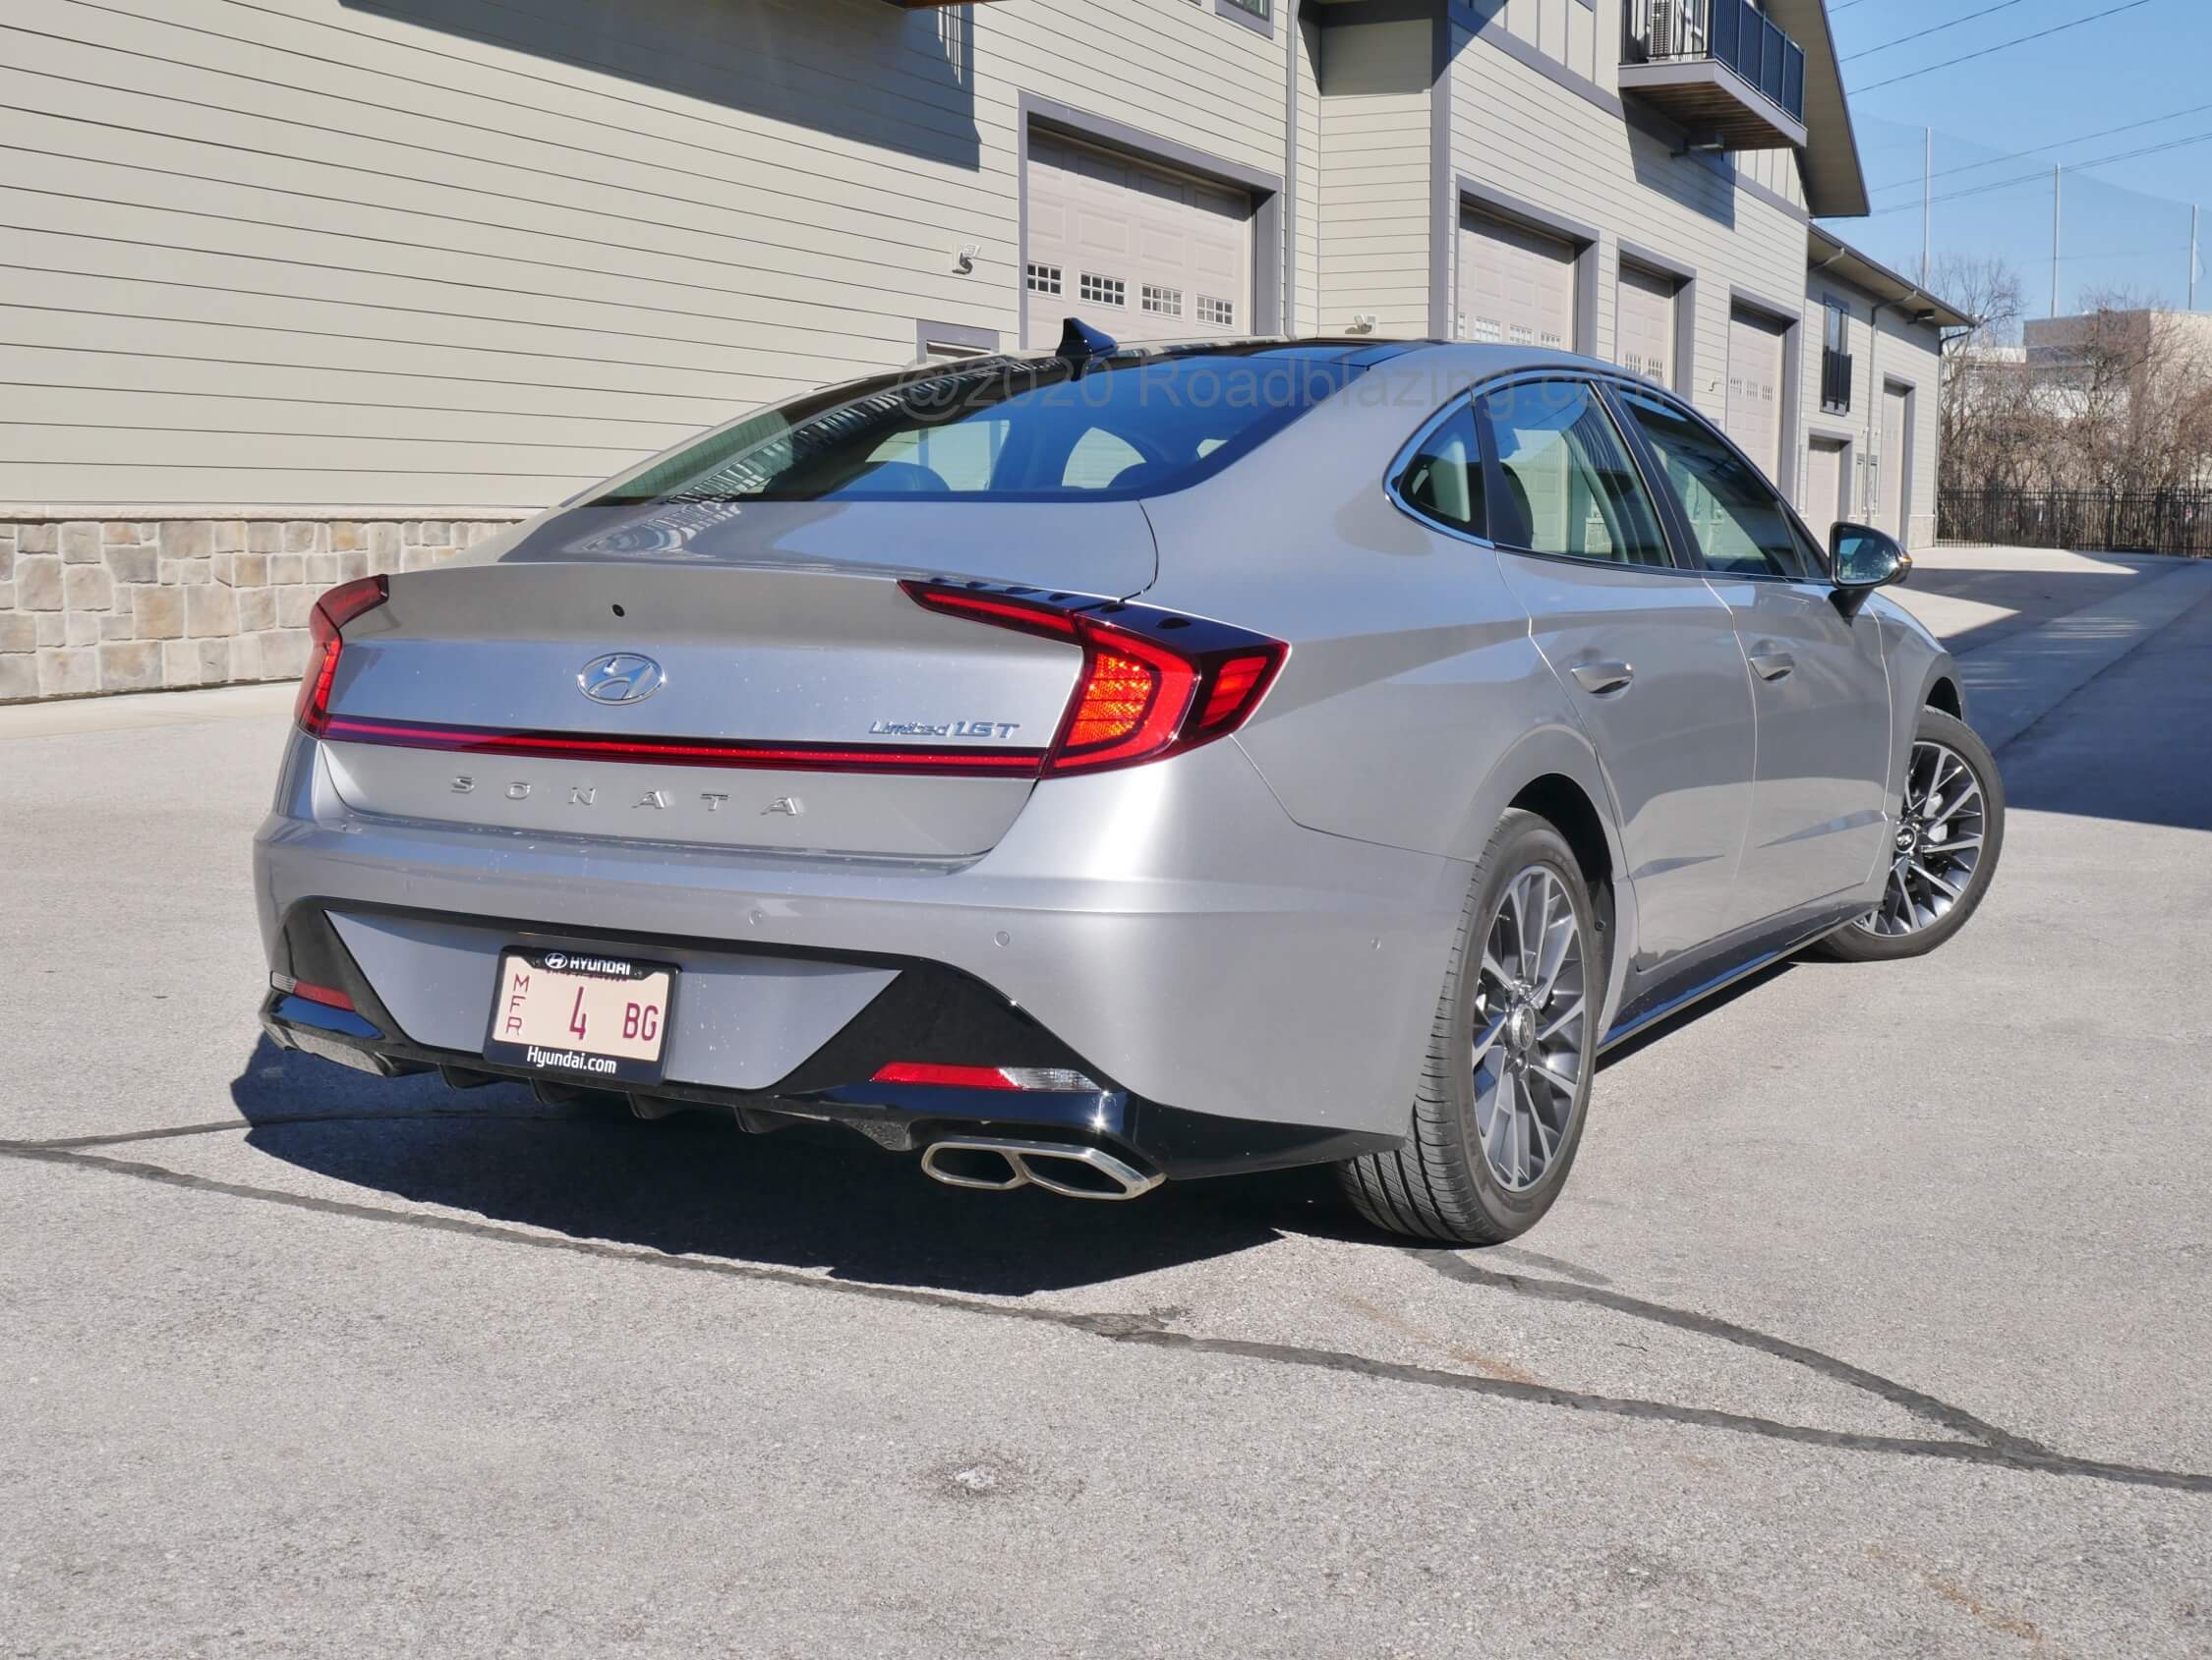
(1874, 401)
(1289, 168)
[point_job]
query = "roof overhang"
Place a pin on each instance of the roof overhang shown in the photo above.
(1834, 181)
(1827, 252)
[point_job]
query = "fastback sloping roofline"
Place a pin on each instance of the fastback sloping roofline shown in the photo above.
(1834, 181)
(1828, 252)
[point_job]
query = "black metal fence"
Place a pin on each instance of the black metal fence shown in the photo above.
(2090, 521)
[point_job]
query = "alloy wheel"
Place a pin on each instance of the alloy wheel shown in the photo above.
(1939, 842)
(1531, 1045)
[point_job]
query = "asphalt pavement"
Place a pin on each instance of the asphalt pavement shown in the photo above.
(1874, 1321)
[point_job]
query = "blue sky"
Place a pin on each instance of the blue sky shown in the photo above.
(2125, 225)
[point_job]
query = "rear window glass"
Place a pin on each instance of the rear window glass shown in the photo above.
(1007, 430)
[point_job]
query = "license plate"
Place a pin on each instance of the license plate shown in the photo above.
(589, 1019)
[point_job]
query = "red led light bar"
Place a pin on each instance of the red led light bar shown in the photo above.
(683, 752)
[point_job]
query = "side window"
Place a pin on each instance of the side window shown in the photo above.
(1444, 479)
(1741, 525)
(1568, 485)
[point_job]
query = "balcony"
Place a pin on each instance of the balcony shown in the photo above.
(1835, 381)
(1721, 68)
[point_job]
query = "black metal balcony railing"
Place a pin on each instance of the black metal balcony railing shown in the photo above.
(1733, 32)
(1835, 381)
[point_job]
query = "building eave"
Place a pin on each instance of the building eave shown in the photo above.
(1830, 253)
(1835, 180)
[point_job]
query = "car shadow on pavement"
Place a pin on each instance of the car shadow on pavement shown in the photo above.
(813, 1197)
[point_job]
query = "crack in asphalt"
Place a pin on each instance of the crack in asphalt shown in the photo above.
(1955, 1419)
(1992, 1448)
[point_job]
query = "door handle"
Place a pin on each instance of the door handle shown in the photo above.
(1771, 664)
(1599, 679)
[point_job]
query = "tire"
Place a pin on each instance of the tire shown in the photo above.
(1448, 1182)
(1883, 935)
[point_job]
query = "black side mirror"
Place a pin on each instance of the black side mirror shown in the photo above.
(1864, 559)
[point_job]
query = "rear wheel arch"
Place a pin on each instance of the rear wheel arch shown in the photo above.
(1943, 694)
(1567, 805)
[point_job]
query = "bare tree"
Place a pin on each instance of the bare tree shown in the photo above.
(2136, 382)
(1994, 426)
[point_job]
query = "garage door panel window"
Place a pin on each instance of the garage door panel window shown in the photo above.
(1043, 279)
(1568, 485)
(1163, 302)
(1103, 290)
(1739, 524)
(1222, 314)
(1444, 481)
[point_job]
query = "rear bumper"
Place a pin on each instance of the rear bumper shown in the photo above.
(927, 1014)
(1246, 990)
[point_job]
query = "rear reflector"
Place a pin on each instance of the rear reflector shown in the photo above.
(941, 1076)
(1153, 684)
(327, 995)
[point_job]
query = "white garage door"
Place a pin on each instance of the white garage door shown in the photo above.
(1138, 250)
(1516, 287)
(1646, 324)
(1824, 487)
(1897, 460)
(1755, 389)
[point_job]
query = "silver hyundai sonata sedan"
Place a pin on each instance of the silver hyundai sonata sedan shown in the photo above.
(1108, 766)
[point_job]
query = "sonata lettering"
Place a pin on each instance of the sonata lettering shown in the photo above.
(658, 800)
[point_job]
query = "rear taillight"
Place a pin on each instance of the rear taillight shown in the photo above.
(1152, 684)
(326, 639)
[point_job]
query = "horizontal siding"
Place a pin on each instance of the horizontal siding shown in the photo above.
(243, 241)
(1523, 134)
(1374, 184)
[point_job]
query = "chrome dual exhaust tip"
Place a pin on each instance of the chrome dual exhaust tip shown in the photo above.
(992, 1166)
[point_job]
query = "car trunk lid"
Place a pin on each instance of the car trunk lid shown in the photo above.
(754, 679)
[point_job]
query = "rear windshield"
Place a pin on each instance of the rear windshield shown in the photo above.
(1005, 430)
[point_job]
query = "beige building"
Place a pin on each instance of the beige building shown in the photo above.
(292, 290)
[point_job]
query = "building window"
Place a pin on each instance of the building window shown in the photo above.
(1835, 359)
(1103, 290)
(1044, 279)
(1163, 302)
(1220, 312)
(1258, 8)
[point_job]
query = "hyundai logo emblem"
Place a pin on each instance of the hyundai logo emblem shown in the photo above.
(620, 678)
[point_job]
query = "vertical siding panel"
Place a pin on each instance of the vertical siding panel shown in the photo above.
(1376, 176)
